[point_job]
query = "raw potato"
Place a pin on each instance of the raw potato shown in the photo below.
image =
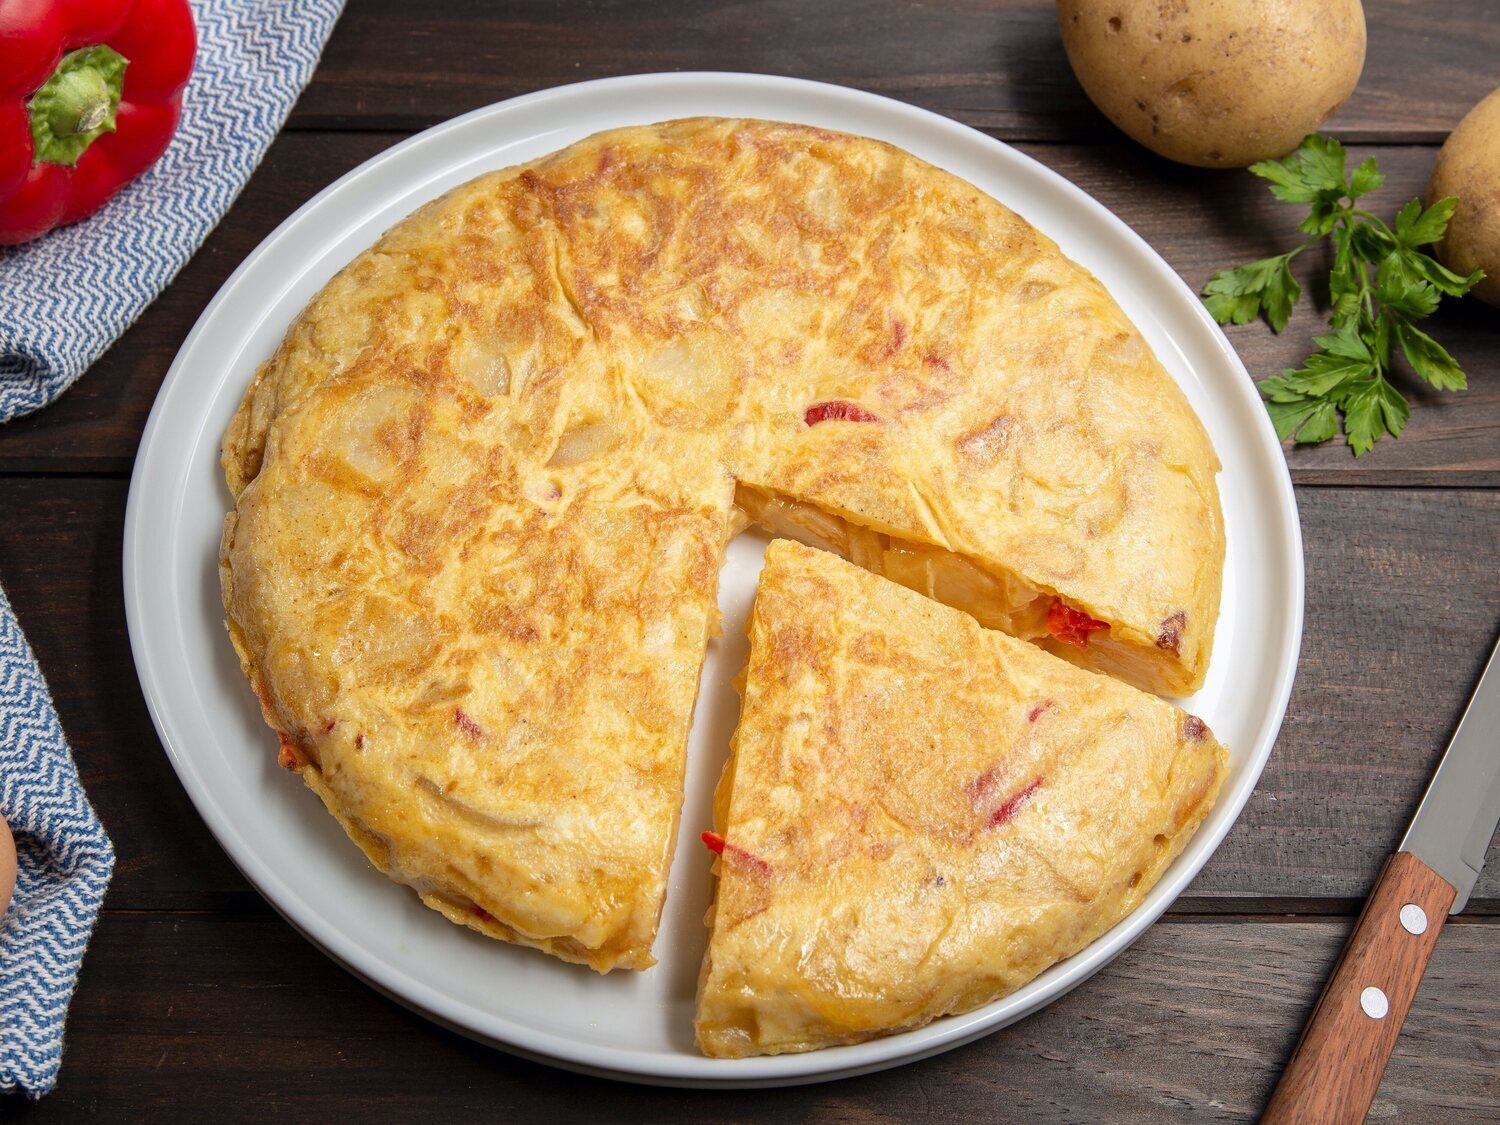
(1469, 167)
(1216, 83)
(7, 865)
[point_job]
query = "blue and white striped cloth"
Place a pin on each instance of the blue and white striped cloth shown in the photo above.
(64, 860)
(63, 300)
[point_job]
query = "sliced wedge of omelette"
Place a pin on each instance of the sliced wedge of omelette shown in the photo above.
(920, 815)
(483, 487)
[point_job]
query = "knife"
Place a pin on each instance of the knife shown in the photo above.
(1338, 1063)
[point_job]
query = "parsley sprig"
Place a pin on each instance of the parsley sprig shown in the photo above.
(1371, 316)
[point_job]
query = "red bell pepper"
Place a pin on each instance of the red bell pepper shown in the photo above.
(90, 94)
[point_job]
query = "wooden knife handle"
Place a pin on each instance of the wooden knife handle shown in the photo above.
(1338, 1063)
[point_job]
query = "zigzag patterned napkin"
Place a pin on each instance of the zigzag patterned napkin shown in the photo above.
(63, 864)
(63, 300)
(66, 297)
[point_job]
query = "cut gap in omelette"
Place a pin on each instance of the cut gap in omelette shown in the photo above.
(920, 815)
(989, 592)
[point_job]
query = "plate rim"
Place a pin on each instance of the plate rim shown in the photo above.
(688, 1070)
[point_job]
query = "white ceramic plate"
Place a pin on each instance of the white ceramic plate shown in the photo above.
(634, 1025)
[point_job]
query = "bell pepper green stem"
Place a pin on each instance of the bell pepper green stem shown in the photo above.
(76, 105)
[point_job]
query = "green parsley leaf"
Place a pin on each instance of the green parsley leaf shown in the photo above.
(1315, 171)
(1370, 243)
(1399, 292)
(1345, 380)
(1226, 308)
(1324, 372)
(1239, 295)
(1343, 281)
(1323, 217)
(1430, 359)
(1371, 410)
(1366, 178)
(1347, 343)
(1381, 344)
(1309, 420)
(1415, 227)
(1439, 275)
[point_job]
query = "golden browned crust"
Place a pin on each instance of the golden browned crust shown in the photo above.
(920, 815)
(483, 486)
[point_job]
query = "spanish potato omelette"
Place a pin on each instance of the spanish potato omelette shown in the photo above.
(483, 487)
(919, 814)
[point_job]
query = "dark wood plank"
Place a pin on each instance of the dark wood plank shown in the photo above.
(195, 1016)
(230, 1013)
(1200, 221)
(997, 66)
(1402, 611)
(1402, 607)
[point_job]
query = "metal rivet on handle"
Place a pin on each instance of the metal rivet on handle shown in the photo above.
(1373, 1001)
(1413, 919)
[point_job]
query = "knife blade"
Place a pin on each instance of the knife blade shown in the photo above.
(1338, 1063)
(1457, 817)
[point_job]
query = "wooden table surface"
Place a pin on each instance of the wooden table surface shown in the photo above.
(197, 999)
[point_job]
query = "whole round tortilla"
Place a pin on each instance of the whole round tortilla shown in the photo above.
(483, 487)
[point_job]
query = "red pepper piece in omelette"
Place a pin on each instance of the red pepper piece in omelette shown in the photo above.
(466, 724)
(1012, 805)
(720, 846)
(1072, 626)
(289, 757)
(837, 411)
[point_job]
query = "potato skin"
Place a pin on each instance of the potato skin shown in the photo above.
(1215, 83)
(1469, 167)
